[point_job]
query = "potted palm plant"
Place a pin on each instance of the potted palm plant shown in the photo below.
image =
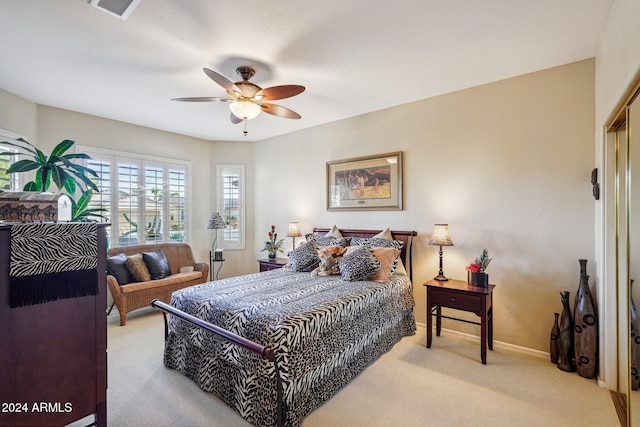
(58, 168)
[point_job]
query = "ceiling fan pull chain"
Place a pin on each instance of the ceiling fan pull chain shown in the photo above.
(245, 127)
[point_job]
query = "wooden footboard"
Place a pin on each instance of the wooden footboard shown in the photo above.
(264, 352)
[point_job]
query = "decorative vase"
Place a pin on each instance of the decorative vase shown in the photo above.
(583, 272)
(553, 341)
(480, 280)
(586, 331)
(635, 342)
(565, 338)
(272, 255)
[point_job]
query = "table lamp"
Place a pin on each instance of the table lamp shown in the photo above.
(294, 231)
(440, 237)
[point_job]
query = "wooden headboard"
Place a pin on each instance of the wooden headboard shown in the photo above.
(405, 236)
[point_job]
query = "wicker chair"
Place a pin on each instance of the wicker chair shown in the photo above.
(135, 295)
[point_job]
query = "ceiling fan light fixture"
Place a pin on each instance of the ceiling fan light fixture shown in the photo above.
(245, 109)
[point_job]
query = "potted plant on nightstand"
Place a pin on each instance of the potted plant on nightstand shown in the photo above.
(477, 268)
(273, 245)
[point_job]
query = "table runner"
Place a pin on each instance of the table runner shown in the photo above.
(51, 261)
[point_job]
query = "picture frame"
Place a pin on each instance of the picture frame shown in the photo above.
(365, 183)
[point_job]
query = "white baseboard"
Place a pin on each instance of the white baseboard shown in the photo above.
(499, 344)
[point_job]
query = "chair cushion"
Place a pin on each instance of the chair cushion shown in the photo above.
(157, 264)
(137, 268)
(117, 267)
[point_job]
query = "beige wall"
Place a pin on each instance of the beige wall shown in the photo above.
(507, 165)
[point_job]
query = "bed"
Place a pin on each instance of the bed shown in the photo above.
(308, 335)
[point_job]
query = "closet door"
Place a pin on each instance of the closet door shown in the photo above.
(633, 254)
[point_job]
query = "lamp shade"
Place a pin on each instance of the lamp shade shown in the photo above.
(245, 109)
(215, 221)
(294, 230)
(440, 236)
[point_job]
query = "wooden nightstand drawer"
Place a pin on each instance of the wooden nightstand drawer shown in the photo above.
(453, 300)
(272, 264)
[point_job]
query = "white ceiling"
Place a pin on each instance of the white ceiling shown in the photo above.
(353, 56)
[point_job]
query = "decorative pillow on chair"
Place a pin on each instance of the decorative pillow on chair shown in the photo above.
(157, 264)
(117, 267)
(304, 257)
(358, 264)
(138, 268)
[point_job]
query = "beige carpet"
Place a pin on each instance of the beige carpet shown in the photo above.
(409, 386)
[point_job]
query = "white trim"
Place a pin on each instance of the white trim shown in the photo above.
(10, 135)
(496, 344)
(226, 244)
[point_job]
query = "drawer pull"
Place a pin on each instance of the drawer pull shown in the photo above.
(453, 299)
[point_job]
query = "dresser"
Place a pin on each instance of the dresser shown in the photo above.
(53, 356)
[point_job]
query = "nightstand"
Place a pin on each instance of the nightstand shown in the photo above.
(212, 263)
(271, 264)
(460, 295)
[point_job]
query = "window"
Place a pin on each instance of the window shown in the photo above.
(230, 180)
(9, 182)
(145, 197)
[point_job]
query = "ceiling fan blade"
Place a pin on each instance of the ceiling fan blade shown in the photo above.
(280, 111)
(227, 84)
(235, 120)
(279, 92)
(203, 99)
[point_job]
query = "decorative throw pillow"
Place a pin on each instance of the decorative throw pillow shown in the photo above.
(157, 264)
(117, 267)
(384, 234)
(387, 257)
(379, 243)
(358, 264)
(334, 232)
(304, 257)
(138, 268)
(328, 240)
(333, 241)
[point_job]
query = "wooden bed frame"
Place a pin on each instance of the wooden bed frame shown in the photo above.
(268, 353)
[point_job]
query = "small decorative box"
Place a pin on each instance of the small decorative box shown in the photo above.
(31, 206)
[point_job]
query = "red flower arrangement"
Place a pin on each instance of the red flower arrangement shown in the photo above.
(480, 264)
(273, 245)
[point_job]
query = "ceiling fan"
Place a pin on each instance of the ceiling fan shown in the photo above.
(248, 99)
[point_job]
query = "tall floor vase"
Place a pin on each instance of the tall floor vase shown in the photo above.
(635, 342)
(565, 339)
(553, 340)
(586, 330)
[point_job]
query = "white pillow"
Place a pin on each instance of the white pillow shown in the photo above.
(385, 234)
(334, 232)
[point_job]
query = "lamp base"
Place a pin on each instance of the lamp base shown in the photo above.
(441, 278)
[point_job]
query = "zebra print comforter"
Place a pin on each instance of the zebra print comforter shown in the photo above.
(324, 330)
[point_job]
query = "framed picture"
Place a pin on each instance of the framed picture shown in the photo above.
(365, 183)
